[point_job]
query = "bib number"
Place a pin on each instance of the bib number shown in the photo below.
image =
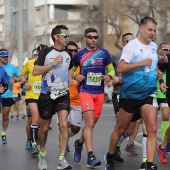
(37, 87)
(94, 79)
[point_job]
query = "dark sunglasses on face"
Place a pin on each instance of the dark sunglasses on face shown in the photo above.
(127, 41)
(166, 49)
(4, 56)
(91, 37)
(73, 50)
(64, 35)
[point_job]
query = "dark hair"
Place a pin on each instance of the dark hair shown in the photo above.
(41, 46)
(72, 43)
(57, 30)
(89, 30)
(147, 19)
(126, 34)
(3, 49)
(163, 43)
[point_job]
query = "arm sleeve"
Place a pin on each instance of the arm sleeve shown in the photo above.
(110, 70)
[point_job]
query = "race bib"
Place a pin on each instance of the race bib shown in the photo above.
(37, 86)
(155, 103)
(94, 79)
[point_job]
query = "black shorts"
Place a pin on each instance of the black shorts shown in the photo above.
(48, 107)
(18, 98)
(133, 105)
(160, 100)
(7, 102)
(31, 101)
(23, 93)
(115, 101)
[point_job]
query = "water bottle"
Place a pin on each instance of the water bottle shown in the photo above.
(147, 70)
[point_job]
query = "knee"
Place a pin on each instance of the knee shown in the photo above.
(5, 117)
(75, 129)
(63, 126)
(120, 129)
(90, 125)
(152, 129)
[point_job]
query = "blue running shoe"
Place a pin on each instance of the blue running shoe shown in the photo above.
(77, 152)
(110, 162)
(67, 149)
(4, 140)
(28, 145)
(92, 161)
(168, 148)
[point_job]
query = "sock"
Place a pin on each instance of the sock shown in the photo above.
(164, 126)
(122, 138)
(70, 133)
(144, 152)
(149, 164)
(61, 157)
(34, 132)
(144, 159)
(89, 153)
(3, 133)
(42, 153)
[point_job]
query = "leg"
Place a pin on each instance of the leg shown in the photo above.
(149, 115)
(5, 117)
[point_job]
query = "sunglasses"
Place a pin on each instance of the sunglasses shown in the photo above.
(127, 41)
(73, 50)
(64, 35)
(166, 49)
(91, 37)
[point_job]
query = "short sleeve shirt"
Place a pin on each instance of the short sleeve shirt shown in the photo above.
(11, 71)
(135, 84)
(92, 67)
(55, 79)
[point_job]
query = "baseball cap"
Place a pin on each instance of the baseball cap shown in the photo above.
(4, 53)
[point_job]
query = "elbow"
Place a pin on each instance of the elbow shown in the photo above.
(34, 73)
(119, 71)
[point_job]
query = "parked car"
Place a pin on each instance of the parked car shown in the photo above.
(108, 92)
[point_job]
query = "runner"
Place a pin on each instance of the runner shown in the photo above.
(7, 98)
(92, 62)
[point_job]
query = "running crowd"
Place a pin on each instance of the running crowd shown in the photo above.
(68, 81)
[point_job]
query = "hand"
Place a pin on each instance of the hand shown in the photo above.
(163, 87)
(163, 59)
(106, 78)
(12, 81)
(1, 89)
(79, 78)
(58, 60)
(27, 86)
(159, 74)
(70, 82)
(147, 62)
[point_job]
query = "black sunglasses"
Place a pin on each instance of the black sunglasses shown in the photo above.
(91, 37)
(73, 50)
(127, 41)
(166, 49)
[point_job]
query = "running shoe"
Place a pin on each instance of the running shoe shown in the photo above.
(23, 117)
(168, 148)
(67, 150)
(63, 164)
(77, 152)
(153, 167)
(143, 166)
(34, 149)
(92, 161)
(4, 139)
(161, 154)
(28, 145)
(42, 164)
(131, 149)
(110, 162)
(12, 117)
(117, 155)
(17, 117)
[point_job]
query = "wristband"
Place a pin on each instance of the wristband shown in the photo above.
(52, 64)
(161, 81)
(22, 84)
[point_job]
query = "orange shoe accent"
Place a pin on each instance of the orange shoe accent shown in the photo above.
(161, 155)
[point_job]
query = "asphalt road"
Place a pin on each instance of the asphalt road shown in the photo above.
(13, 156)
